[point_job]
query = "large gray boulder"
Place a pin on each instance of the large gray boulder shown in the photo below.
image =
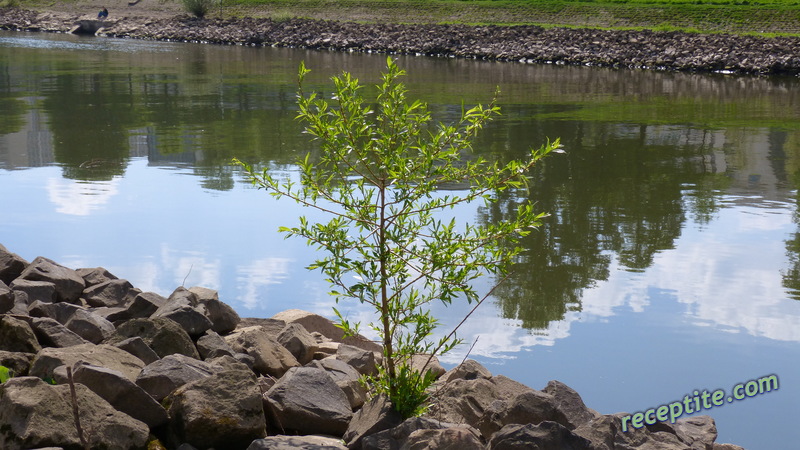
(138, 348)
(164, 376)
(52, 334)
(570, 404)
(455, 438)
(468, 370)
(529, 406)
(69, 284)
(34, 414)
(308, 401)
(18, 362)
(7, 299)
(111, 293)
(223, 317)
(346, 377)
(362, 360)
(212, 345)
(163, 335)
(145, 304)
(543, 436)
(466, 401)
(182, 308)
(698, 432)
(299, 342)
(101, 355)
(34, 290)
(90, 326)
(296, 443)
(220, 411)
(375, 416)
(16, 335)
(95, 275)
(123, 394)
(326, 327)
(415, 432)
(11, 265)
(60, 312)
(271, 358)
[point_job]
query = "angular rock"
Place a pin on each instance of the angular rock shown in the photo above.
(443, 439)
(180, 307)
(326, 349)
(362, 360)
(99, 355)
(271, 358)
(161, 378)
(96, 275)
(226, 362)
(60, 312)
(430, 364)
(375, 416)
(224, 319)
(110, 293)
(7, 299)
(296, 442)
(35, 414)
(346, 377)
(698, 432)
(18, 362)
(117, 315)
(138, 348)
(569, 402)
(43, 291)
(52, 334)
(466, 401)
(221, 411)
(123, 394)
(163, 335)
(603, 431)
(468, 370)
(145, 304)
(326, 327)
(17, 336)
(212, 345)
(69, 285)
(308, 401)
(90, 326)
(11, 265)
(272, 327)
(399, 436)
(298, 341)
(527, 407)
(544, 436)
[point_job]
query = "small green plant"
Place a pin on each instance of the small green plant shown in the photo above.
(200, 7)
(5, 374)
(378, 175)
(9, 3)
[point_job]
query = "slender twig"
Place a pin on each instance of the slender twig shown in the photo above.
(75, 412)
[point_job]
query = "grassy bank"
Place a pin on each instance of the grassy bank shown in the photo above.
(762, 17)
(714, 16)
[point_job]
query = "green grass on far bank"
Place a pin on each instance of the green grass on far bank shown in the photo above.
(781, 17)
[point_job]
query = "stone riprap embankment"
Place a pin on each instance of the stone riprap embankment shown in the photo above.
(530, 44)
(185, 371)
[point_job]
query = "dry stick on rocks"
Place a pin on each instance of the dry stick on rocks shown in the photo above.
(75, 409)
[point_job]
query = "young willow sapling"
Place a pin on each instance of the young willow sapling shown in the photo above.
(377, 175)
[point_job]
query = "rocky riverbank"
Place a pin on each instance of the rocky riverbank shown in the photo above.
(187, 372)
(528, 44)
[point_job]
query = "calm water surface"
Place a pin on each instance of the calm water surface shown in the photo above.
(670, 262)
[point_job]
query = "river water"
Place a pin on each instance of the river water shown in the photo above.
(670, 261)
